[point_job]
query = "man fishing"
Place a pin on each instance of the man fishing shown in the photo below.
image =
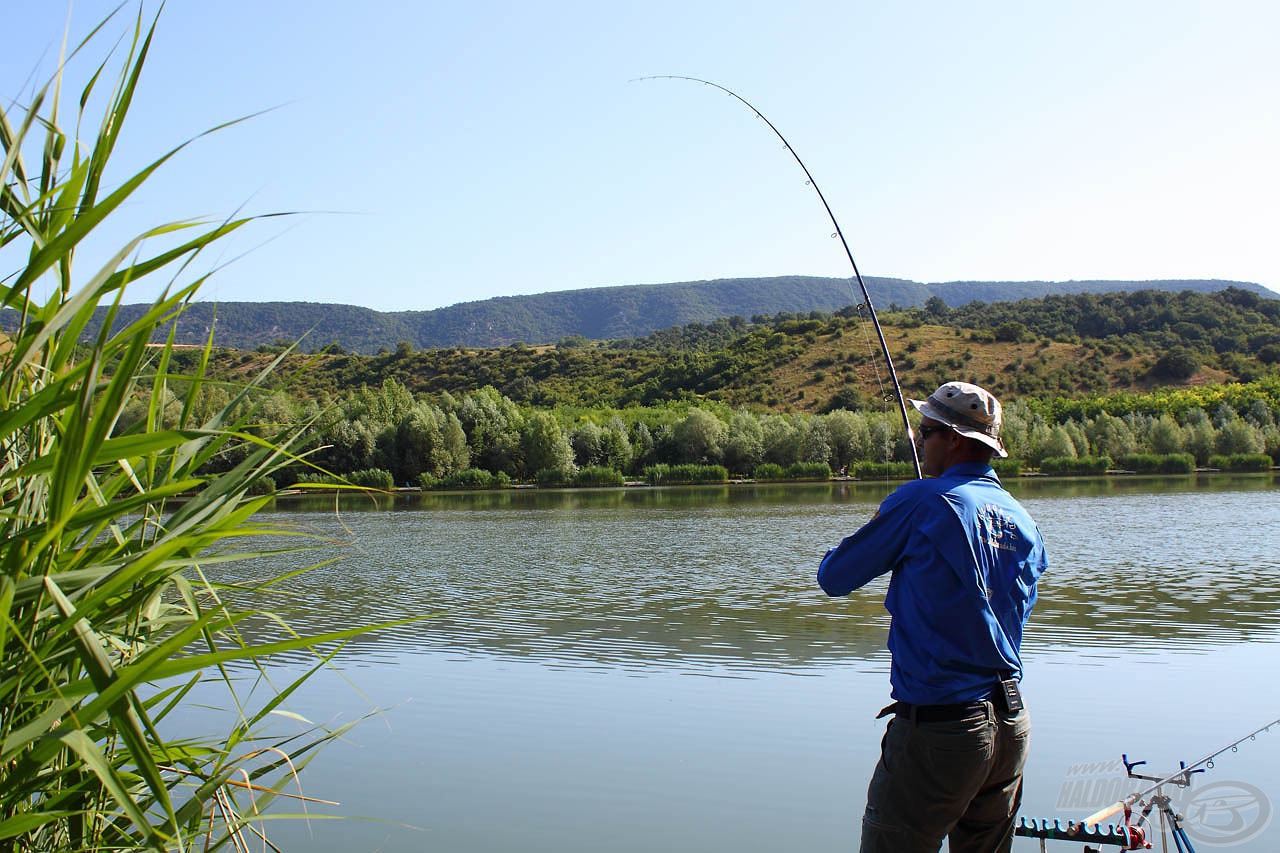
(964, 557)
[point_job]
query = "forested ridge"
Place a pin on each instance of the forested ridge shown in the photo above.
(1150, 380)
(599, 313)
(1074, 345)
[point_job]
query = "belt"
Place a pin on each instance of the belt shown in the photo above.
(935, 713)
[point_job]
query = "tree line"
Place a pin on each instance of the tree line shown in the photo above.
(418, 438)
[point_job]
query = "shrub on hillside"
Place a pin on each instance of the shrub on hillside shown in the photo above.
(1178, 363)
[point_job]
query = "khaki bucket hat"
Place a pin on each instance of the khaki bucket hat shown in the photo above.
(970, 410)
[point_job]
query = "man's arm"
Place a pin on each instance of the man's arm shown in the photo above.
(870, 552)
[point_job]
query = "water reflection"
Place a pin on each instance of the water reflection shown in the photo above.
(715, 577)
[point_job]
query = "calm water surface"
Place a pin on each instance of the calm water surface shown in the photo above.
(655, 669)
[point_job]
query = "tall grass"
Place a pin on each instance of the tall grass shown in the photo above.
(107, 621)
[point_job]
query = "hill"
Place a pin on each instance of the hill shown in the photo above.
(1075, 345)
(629, 311)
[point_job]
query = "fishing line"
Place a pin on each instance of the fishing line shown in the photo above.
(866, 296)
(1183, 774)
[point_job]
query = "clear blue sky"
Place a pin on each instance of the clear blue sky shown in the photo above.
(445, 152)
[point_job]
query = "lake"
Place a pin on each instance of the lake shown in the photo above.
(655, 669)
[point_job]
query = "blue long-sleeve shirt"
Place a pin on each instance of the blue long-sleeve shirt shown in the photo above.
(965, 558)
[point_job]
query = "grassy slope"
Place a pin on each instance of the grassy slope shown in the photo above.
(801, 366)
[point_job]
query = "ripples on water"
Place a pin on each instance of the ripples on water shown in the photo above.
(614, 670)
(724, 577)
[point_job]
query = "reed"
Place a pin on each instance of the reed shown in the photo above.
(883, 470)
(1158, 463)
(667, 475)
(597, 475)
(1241, 462)
(1067, 466)
(107, 619)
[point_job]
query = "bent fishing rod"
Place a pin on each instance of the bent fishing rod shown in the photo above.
(866, 296)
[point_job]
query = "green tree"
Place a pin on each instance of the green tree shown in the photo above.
(544, 444)
(700, 437)
(1058, 443)
(936, 308)
(642, 447)
(1200, 439)
(848, 438)
(384, 406)
(1012, 331)
(744, 444)
(1165, 435)
(615, 445)
(1110, 436)
(493, 426)
(347, 446)
(781, 440)
(883, 439)
(587, 441)
(454, 441)
(1239, 436)
(815, 440)
(1178, 363)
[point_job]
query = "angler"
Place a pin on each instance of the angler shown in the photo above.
(964, 557)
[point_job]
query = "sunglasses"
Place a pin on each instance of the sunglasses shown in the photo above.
(925, 431)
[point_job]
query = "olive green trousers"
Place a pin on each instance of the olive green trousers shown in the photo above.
(960, 780)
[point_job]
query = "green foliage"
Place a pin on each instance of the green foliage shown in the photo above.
(262, 486)
(474, 478)
(1066, 466)
(666, 475)
(769, 471)
(543, 444)
(372, 478)
(107, 619)
(1178, 363)
(1007, 467)
(1011, 331)
(700, 436)
(633, 313)
(597, 475)
(551, 478)
(883, 470)
(808, 471)
(1241, 462)
(1158, 463)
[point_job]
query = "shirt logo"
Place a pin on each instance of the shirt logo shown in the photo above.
(997, 528)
